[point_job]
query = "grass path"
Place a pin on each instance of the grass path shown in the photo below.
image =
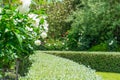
(50, 67)
(109, 76)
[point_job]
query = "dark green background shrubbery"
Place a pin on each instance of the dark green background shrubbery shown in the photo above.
(100, 61)
(96, 23)
(84, 24)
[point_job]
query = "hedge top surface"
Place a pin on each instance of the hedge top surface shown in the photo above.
(49, 67)
(83, 52)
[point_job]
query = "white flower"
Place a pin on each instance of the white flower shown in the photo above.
(33, 16)
(0, 13)
(25, 7)
(37, 42)
(45, 24)
(36, 23)
(15, 22)
(29, 29)
(111, 43)
(43, 35)
(43, 16)
(63, 43)
(46, 29)
(18, 20)
(35, 19)
(34, 33)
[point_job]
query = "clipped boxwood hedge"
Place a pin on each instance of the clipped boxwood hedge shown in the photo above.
(50, 67)
(101, 61)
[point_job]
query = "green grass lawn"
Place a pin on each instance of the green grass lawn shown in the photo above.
(109, 76)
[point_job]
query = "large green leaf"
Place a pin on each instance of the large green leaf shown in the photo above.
(19, 38)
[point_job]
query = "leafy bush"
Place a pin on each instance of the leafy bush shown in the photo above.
(100, 61)
(57, 12)
(99, 47)
(105, 47)
(95, 23)
(52, 44)
(20, 31)
(49, 67)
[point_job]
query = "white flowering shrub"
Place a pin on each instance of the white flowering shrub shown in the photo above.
(20, 31)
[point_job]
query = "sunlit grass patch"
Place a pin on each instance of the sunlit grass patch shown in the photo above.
(109, 76)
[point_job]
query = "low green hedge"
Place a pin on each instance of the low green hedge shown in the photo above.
(50, 67)
(101, 61)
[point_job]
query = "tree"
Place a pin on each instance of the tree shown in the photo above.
(96, 23)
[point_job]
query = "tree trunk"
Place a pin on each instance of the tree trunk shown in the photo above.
(17, 68)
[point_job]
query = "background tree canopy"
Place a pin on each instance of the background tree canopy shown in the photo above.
(88, 24)
(95, 26)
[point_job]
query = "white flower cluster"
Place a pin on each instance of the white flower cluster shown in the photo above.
(25, 6)
(36, 23)
(43, 28)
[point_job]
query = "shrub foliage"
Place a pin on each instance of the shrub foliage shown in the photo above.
(20, 31)
(95, 23)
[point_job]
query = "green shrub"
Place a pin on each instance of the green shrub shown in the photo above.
(95, 23)
(52, 44)
(57, 12)
(105, 47)
(20, 31)
(49, 67)
(100, 47)
(100, 61)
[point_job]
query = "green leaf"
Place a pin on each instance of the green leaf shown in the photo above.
(42, 21)
(19, 38)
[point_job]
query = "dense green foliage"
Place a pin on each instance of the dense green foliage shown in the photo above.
(95, 24)
(12, 33)
(57, 11)
(20, 31)
(57, 14)
(52, 44)
(49, 67)
(100, 61)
